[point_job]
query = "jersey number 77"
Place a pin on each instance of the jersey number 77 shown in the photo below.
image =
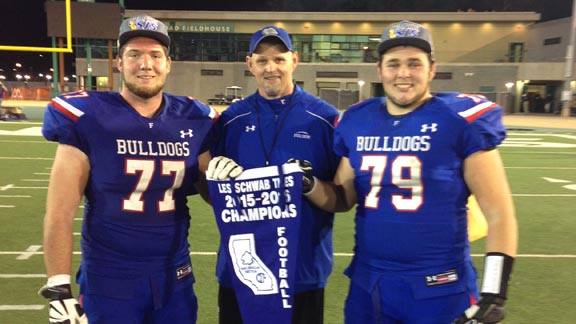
(146, 168)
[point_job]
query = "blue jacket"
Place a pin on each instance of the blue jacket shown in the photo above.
(256, 132)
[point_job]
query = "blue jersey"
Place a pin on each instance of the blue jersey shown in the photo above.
(411, 213)
(136, 217)
(256, 132)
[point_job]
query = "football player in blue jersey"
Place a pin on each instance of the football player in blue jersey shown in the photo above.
(133, 158)
(409, 162)
(279, 122)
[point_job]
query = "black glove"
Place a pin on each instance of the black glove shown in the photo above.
(489, 310)
(307, 178)
(64, 309)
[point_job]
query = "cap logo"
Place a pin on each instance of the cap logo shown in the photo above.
(143, 24)
(405, 33)
(406, 30)
(269, 32)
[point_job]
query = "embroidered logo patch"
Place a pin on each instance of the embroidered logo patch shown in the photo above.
(302, 134)
(442, 278)
(187, 133)
(183, 271)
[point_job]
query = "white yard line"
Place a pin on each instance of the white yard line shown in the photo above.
(17, 141)
(24, 158)
(539, 152)
(544, 195)
(560, 256)
(20, 275)
(21, 307)
(541, 168)
(6, 187)
(17, 187)
(30, 251)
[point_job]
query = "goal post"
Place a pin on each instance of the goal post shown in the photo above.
(67, 49)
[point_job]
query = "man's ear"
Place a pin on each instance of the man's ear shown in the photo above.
(432, 71)
(296, 57)
(249, 63)
(119, 63)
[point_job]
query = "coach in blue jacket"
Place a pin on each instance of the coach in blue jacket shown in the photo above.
(279, 122)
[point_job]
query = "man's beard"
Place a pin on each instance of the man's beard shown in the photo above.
(143, 92)
(272, 92)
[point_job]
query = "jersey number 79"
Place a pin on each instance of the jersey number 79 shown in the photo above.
(405, 174)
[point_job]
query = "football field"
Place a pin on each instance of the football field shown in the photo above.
(540, 164)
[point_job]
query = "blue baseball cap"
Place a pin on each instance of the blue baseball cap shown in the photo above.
(406, 33)
(143, 26)
(270, 31)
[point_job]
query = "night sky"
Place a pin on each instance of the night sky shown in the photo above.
(23, 22)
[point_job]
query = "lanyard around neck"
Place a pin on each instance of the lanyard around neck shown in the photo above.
(268, 153)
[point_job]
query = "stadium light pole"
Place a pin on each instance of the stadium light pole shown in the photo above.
(122, 9)
(569, 65)
(55, 90)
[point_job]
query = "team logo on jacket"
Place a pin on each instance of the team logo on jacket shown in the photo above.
(302, 134)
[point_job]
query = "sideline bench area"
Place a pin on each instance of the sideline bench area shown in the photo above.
(32, 109)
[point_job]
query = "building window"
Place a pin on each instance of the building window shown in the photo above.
(484, 89)
(552, 41)
(516, 52)
(328, 74)
(212, 72)
(443, 76)
(231, 47)
(321, 85)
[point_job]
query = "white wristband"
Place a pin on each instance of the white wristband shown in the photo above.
(497, 269)
(492, 281)
(59, 279)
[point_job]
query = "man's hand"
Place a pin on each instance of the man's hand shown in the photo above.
(221, 167)
(489, 310)
(307, 178)
(64, 309)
